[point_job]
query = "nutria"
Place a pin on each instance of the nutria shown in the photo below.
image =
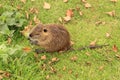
(51, 37)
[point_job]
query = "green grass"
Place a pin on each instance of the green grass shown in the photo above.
(24, 66)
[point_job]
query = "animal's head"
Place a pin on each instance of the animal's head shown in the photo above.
(40, 34)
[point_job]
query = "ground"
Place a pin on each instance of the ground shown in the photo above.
(98, 64)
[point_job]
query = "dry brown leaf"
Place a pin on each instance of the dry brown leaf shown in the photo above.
(81, 13)
(47, 77)
(65, 1)
(36, 20)
(32, 0)
(87, 53)
(114, 1)
(71, 43)
(46, 5)
(100, 22)
(23, 1)
(64, 68)
(18, 7)
(43, 57)
(27, 49)
(60, 19)
(111, 13)
(27, 14)
(26, 30)
(9, 40)
(101, 68)
(33, 10)
(53, 70)
(88, 5)
(118, 56)
(0, 5)
(1, 77)
(67, 18)
(93, 43)
(44, 67)
(84, 1)
(108, 35)
(55, 59)
(70, 71)
(69, 12)
(74, 58)
(115, 48)
(6, 74)
(88, 63)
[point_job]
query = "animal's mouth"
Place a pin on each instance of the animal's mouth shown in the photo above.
(33, 42)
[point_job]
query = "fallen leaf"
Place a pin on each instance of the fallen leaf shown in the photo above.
(9, 40)
(33, 10)
(101, 68)
(67, 18)
(88, 63)
(46, 5)
(87, 5)
(47, 77)
(76, 75)
(69, 12)
(26, 30)
(65, 1)
(6, 74)
(87, 53)
(0, 5)
(71, 43)
(43, 57)
(70, 71)
(1, 77)
(36, 20)
(108, 35)
(111, 13)
(100, 22)
(32, 0)
(44, 67)
(23, 1)
(18, 7)
(114, 1)
(27, 49)
(53, 70)
(27, 14)
(60, 19)
(77, 8)
(118, 56)
(114, 48)
(80, 13)
(93, 43)
(74, 58)
(84, 1)
(64, 68)
(1, 71)
(55, 59)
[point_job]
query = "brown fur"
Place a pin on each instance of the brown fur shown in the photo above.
(56, 38)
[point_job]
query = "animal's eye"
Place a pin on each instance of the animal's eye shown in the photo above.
(45, 30)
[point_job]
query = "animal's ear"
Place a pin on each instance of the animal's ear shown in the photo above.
(40, 24)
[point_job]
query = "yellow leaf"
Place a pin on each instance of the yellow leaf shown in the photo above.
(24, 1)
(43, 57)
(87, 5)
(46, 5)
(65, 1)
(111, 13)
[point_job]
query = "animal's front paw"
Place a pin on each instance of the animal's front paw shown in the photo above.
(38, 51)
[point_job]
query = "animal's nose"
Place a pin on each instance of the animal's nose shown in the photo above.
(30, 35)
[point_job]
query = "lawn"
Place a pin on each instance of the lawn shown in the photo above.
(16, 63)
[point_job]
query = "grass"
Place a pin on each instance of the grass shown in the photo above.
(102, 64)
